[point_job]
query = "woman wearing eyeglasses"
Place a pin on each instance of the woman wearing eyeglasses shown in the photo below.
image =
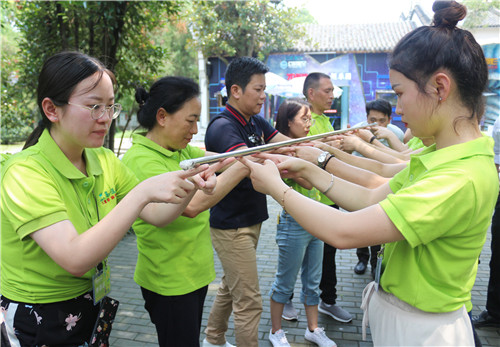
(67, 202)
(298, 250)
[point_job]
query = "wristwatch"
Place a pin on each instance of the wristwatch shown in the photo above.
(322, 158)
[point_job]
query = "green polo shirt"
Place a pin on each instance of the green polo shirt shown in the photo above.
(40, 187)
(415, 143)
(321, 125)
(442, 204)
(313, 193)
(178, 258)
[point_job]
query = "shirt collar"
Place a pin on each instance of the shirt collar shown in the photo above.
(430, 157)
(59, 160)
(141, 139)
(236, 114)
(316, 115)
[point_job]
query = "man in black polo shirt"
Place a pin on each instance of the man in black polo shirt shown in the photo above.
(236, 220)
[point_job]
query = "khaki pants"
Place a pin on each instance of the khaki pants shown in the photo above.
(393, 322)
(239, 291)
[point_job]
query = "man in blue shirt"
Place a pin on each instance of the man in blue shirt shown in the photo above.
(236, 220)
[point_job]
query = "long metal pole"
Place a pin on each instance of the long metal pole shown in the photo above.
(191, 163)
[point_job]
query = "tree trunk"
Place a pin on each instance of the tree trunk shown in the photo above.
(62, 26)
(91, 36)
(77, 28)
(109, 51)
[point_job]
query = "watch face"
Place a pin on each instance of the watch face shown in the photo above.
(322, 158)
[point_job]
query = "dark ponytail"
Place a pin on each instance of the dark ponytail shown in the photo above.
(169, 93)
(58, 78)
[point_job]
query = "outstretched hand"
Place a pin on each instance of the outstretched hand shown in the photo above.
(170, 187)
(287, 167)
(310, 154)
(265, 177)
(365, 134)
(207, 180)
(349, 143)
(382, 132)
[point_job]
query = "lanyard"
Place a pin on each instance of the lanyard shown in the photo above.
(101, 279)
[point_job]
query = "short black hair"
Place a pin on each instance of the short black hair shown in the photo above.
(380, 105)
(240, 72)
(312, 81)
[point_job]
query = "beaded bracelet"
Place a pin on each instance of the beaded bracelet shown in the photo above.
(330, 185)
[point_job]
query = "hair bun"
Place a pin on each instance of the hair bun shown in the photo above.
(141, 95)
(448, 13)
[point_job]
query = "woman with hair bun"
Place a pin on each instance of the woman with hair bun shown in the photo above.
(432, 217)
(175, 263)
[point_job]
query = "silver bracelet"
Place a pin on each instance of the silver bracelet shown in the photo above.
(329, 186)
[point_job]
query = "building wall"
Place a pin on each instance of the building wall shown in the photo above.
(492, 54)
(363, 76)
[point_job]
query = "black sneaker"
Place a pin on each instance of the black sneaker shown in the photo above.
(485, 320)
(360, 268)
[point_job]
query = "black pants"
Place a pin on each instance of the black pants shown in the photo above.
(328, 284)
(477, 341)
(493, 298)
(66, 323)
(364, 254)
(177, 318)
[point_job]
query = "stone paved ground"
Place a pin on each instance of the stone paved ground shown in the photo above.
(132, 326)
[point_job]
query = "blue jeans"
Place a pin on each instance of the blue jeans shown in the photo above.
(297, 250)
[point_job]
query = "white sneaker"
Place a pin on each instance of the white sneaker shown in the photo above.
(208, 344)
(278, 339)
(319, 337)
(289, 312)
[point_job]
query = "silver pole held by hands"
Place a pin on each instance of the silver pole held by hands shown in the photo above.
(191, 163)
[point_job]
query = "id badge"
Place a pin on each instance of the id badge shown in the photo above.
(101, 283)
(378, 268)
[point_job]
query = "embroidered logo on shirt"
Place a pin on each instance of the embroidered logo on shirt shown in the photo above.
(106, 197)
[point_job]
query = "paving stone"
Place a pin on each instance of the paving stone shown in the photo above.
(133, 327)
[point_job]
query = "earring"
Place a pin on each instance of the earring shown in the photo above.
(440, 99)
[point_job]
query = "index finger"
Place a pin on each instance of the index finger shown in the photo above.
(193, 171)
(218, 166)
(248, 163)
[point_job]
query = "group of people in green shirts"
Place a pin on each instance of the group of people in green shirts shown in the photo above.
(66, 202)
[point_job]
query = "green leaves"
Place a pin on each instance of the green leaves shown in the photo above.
(242, 28)
(116, 32)
(477, 11)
